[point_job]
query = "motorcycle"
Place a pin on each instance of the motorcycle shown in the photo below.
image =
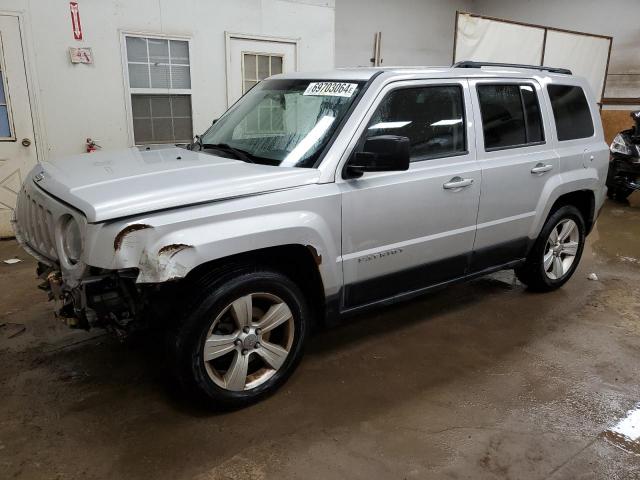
(624, 164)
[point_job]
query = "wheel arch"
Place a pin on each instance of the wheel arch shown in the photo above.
(579, 193)
(298, 262)
(583, 200)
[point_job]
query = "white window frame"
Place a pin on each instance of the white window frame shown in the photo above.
(150, 91)
(7, 99)
(229, 36)
(259, 54)
(243, 79)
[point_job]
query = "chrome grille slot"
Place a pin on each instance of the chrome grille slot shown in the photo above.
(46, 229)
(36, 224)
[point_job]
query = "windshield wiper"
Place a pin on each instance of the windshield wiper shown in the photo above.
(239, 154)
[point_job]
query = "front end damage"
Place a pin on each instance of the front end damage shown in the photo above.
(112, 300)
(133, 295)
(120, 300)
(154, 257)
(108, 300)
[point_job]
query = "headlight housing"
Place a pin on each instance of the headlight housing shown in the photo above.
(619, 145)
(71, 239)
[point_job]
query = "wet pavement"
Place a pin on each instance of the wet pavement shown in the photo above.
(479, 381)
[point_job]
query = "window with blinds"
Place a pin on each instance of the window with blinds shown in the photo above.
(159, 76)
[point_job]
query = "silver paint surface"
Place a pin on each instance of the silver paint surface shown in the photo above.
(219, 207)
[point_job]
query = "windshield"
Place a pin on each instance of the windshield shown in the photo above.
(284, 123)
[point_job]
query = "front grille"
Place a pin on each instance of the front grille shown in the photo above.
(35, 224)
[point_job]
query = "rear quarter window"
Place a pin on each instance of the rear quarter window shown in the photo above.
(571, 112)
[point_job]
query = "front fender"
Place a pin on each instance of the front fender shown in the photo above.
(171, 255)
(168, 246)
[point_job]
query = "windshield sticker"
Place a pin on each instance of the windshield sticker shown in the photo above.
(331, 89)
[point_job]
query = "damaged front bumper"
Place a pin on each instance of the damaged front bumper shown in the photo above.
(106, 299)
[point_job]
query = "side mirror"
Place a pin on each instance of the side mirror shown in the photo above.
(384, 153)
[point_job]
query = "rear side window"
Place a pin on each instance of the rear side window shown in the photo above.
(432, 117)
(571, 111)
(510, 116)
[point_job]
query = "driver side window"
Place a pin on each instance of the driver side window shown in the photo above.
(432, 117)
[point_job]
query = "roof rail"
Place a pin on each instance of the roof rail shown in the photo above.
(472, 64)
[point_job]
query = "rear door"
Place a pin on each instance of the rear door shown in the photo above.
(517, 162)
(404, 231)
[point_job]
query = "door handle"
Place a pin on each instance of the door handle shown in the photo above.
(457, 182)
(26, 142)
(541, 168)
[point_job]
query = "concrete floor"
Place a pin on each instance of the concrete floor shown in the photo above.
(478, 381)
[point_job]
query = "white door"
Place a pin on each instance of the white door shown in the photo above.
(17, 146)
(250, 60)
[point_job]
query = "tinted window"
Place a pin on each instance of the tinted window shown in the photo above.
(510, 115)
(571, 111)
(432, 118)
(532, 119)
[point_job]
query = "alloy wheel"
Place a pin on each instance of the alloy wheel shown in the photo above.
(249, 341)
(561, 249)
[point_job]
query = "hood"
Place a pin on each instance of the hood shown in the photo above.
(109, 185)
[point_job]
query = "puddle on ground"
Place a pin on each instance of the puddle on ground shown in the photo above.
(626, 433)
(617, 231)
(502, 280)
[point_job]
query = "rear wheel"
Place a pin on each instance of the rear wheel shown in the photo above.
(556, 253)
(243, 338)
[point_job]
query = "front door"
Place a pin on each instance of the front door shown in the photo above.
(251, 60)
(17, 146)
(404, 231)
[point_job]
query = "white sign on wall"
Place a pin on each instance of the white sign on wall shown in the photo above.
(80, 55)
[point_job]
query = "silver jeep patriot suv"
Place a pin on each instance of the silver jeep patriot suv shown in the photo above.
(314, 197)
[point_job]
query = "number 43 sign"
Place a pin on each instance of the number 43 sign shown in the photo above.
(75, 20)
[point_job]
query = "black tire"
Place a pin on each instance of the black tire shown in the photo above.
(533, 273)
(215, 292)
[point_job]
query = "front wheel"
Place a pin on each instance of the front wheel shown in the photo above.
(243, 337)
(556, 253)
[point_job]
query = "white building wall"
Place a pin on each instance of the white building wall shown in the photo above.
(414, 32)
(79, 101)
